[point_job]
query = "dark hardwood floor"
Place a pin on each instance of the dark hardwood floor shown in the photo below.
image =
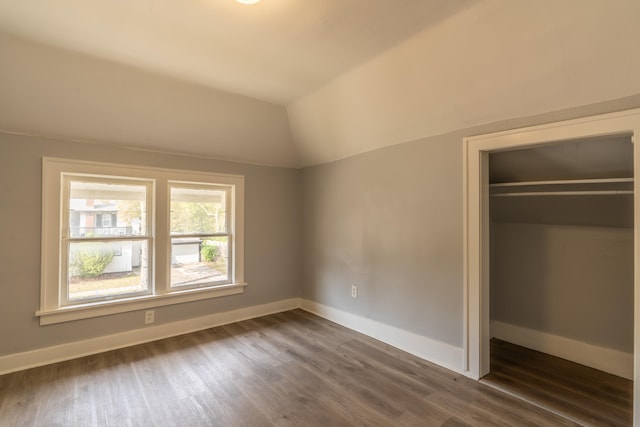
(287, 369)
(585, 395)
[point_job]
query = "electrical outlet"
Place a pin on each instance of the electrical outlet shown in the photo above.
(149, 316)
(354, 291)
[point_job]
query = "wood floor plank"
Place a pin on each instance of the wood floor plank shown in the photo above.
(287, 369)
(586, 395)
(575, 378)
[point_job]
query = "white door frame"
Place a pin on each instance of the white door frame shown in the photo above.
(476, 225)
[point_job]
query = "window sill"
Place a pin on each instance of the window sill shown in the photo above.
(104, 308)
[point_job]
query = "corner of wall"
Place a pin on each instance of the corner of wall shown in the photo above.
(440, 353)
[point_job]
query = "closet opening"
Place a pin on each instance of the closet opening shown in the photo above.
(561, 277)
(557, 205)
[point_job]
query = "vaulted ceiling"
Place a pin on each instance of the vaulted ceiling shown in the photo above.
(296, 83)
(276, 50)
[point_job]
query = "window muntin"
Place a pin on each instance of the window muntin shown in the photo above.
(91, 268)
(63, 232)
(199, 232)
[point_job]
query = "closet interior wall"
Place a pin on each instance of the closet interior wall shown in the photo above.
(562, 244)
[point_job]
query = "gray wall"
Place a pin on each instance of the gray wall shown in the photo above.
(571, 281)
(57, 92)
(390, 221)
(272, 242)
(563, 265)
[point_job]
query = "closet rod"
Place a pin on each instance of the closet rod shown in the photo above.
(566, 193)
(562, 182)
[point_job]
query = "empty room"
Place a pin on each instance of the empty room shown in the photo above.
(318, 213)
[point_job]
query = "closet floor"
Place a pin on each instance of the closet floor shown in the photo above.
(583, 395)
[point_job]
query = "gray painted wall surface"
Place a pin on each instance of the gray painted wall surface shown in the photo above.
(56, 92)
(272, 242)
(576, 282)
(595, 211)
(595, 158)
(390, 221)
(583, 158)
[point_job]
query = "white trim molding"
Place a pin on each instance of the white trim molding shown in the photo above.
(55, 305)
(44, 356)
(443, 354)
(605, 359)
(66, 314)
(476, 151)
(446, 355)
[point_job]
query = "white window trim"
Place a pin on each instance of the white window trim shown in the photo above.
(65, 178)
(51, 310)
(230, 202)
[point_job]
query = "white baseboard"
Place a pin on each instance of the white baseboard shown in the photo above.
(59, 353)
(605, 359)
(443, 354)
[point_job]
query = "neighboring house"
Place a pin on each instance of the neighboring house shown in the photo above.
(92, 217)
(96, 218)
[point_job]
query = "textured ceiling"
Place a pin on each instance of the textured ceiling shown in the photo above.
(276, 50)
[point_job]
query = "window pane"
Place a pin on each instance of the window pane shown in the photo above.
(198, 210)
(198, 261)
(105, 269)
(98, 209)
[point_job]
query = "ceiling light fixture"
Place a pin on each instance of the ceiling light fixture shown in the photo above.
(248, 1)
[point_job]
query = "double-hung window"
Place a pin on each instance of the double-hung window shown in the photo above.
(101, 262)
(200, 235)
(120, 238)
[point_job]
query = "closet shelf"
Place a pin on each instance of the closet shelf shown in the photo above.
(563, 182)
(573, 187)
(566, 193)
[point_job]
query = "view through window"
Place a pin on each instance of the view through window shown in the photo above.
(119, 238)
(199, 235)
(107, 239)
